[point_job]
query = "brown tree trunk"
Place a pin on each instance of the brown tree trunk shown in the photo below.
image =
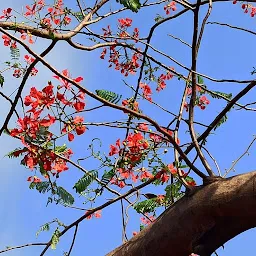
(199, 223)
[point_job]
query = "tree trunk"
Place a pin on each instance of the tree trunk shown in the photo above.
(199, 223)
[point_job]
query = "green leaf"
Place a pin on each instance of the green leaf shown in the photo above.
(82, 184)
(55, 238)
(141, 227)
(158, 18)
(41, 187)
(109, 96)
(107, 176)
(79, 15)
(45, 227)
(222, 121)
(1, 80)
(65, 197)
(146, 206)
(173, 191)
(16, 152)
(15, 53)
(200, 80)
(133, 5)
(217, 95)
(60, 149)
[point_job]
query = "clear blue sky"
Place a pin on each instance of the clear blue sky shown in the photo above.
(225, 53)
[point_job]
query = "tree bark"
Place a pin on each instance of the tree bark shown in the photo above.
(199, 223)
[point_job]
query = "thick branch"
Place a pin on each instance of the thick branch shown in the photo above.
(210, 217)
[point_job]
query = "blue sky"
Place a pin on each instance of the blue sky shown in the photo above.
(224, 53)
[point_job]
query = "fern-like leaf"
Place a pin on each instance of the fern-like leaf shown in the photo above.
(15, 53)
(79, 15)
(222, 120)
(133, 5)
(217, 95)
(107, 176)
(16, 152)
(45, 227)
(60, 149)
(41, 187)
(65, 197)
(146, 206)
(1, 80)
(55, 238)
(109, 96)
(82, 184)
(173, 191)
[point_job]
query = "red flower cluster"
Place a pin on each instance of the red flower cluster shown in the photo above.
(56, 12)
(96, 214)
(170, 7)
(146, 221)
(77, 125)
(8, 41)
(201, 101)
(246, 8)
(36, 7)
(125, 23)
(147, 92)
(6, 14)
(129, 65)
(161, 84)
(130, 104)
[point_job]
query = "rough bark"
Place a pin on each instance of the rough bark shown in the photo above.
(199, 223)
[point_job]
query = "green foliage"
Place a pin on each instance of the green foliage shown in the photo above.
(78, 15)
(60, 149)
(1, 80)
(41, 187)
(173, 191)
(109, 96)
(15, 53)
(219, 94)
(133, 5)
(16, 152)
(222, 120)
(65, 197)
(45, 227)
(200, 80)
(107, 176)
(55, 238)
(82, 184)
(146, 206)
(158, 18)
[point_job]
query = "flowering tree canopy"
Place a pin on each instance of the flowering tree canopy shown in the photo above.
(140, 122)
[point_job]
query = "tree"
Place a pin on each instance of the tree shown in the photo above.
(145, 136)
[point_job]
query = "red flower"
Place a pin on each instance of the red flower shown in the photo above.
(172, 169)
(125, 22)
(7, 13)
(48, 122)
(66, 20)
(59, 167)
(71, 136)
(147, 92)
(78, 79)
(97, 214)
(80, 129)
(79, 106)
(7, 40)
(113, 150)
(78, 120)
(143, 127)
